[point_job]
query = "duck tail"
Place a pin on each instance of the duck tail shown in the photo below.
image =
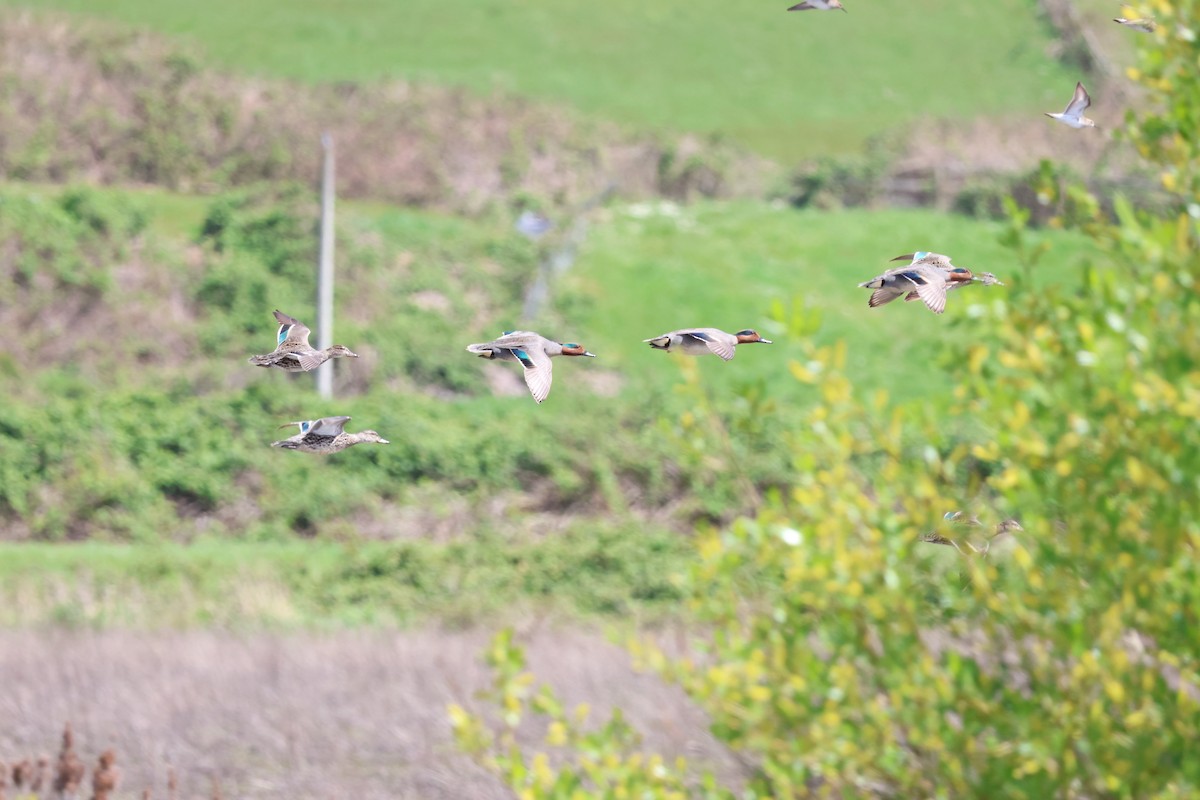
(260, 361)
(481, 350)
(659, 342)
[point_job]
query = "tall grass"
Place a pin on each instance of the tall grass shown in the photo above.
(305, 715)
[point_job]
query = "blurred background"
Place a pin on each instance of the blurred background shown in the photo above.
(675, 577)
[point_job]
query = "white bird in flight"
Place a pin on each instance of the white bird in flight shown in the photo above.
(1073, 114)
(817, 5)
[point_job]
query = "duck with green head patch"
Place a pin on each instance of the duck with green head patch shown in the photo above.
(956, 277)
(533, 351)
(703, 341)
(292, 351)
(928, 277)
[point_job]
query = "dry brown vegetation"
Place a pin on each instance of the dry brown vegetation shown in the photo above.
(304, 716)
(87, 101)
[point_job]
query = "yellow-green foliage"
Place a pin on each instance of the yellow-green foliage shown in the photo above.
(605, 762)
(1167, 69)
(845, 657)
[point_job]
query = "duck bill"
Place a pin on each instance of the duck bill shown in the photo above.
(589, 355)
(765, 341)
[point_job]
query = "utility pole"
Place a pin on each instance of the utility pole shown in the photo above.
(325, 270)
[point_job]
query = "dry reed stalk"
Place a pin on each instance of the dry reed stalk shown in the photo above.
(172, 784)
(105, 776)
(22, 773)
(41, 776)
(70, 772)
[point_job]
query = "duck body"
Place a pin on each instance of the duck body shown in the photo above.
(962, 277)
(292, 351)
(956, 277)
(926, 276)
(326, 435)
(533, 352)
(704, 341)
(1143, 25)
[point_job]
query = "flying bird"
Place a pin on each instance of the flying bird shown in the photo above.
(292, 351)
(534, 352)
(817, 5)
(1004, 528)
(325, 435)
(926, 276)
(1073, 114)
(702, 341)
(1143, 25)
(956, 276)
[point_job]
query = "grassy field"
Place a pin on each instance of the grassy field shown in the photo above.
(788, 85)
(647, 268)
(617, 574)
(657, 268)
(196, 467)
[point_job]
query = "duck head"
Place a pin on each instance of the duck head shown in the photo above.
(749, 336)
(340, 350)
(572, 349)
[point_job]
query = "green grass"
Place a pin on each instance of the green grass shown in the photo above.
(725, 264)
(649, 268)
(138, 449)
(590, 570)
(789, 85)
(169, 214)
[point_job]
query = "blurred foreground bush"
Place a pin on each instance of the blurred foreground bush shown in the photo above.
(843, 656)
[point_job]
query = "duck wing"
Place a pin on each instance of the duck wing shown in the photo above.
(539, 370)
(924, 255)
(329, 426)
(931, 287)
(513, 339)
(717, 344)
(1079, 102)
(884, 295)
(291, 330)
(928, 259)
(310, 360)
